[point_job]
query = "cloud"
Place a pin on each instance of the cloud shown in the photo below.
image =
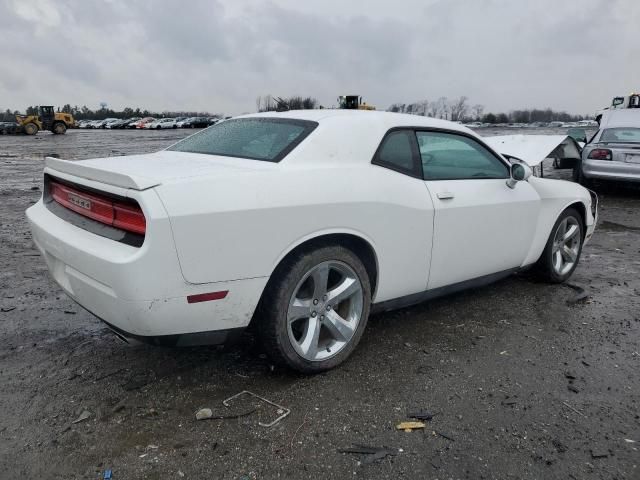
(220, 55)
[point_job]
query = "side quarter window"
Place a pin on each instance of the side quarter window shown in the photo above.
(449, 156)
(398, 151)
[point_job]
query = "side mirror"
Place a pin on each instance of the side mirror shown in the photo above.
(520, 172)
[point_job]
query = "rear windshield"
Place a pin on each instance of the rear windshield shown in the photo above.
(268, 139)
(620, 135)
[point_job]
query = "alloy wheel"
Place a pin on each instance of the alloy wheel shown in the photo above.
(566, 246)
(324, 310)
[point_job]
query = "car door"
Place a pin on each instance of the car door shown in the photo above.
(407, 240)
(481, 225)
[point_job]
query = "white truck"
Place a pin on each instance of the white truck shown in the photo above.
(630, 101)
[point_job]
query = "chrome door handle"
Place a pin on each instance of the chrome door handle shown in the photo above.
(445, 195)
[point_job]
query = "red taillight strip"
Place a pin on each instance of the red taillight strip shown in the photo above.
(117, 214)
(206, 297)
(100, 210)
(600, 154)
(129, 218)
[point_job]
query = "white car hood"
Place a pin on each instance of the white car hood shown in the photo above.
(140, 172)
(533, 149)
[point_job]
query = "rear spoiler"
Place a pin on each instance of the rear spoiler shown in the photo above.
(79, 169)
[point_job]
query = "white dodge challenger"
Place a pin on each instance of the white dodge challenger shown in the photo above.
(300, 223)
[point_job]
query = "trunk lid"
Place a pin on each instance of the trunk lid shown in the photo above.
(624, 152)
(140, 172)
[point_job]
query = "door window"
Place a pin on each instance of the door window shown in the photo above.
(448, 156)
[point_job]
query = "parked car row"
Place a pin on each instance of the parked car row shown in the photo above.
(580, 124)
(8, 128)
(149, 123)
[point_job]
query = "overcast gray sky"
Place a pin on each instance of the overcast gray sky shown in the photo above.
(220, 55)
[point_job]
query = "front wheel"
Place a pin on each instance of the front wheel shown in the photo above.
(59, 128)
(30, 129)
(564, 246)
(315, 309)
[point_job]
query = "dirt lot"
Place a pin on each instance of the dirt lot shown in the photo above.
(523, 382)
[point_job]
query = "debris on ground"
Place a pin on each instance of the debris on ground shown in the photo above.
(410, 426)
(421, 415)
(372, 454)
(7, 309)
(204, 413)
(581, 294)
(599, 453)
(207, 414)
(573, 388)
(573, 409)
(281, 411)
(443, 435)
(107, 475)
(85, 415)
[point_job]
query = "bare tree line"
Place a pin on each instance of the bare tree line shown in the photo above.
(459, 109)
(269, 103)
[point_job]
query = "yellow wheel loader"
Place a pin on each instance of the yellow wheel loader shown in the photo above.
(46, 119)
(353, 102)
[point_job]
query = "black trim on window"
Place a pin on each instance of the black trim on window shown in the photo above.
(416, 171)
(309, 126)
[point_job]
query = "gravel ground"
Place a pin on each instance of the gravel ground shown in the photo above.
(523, 381)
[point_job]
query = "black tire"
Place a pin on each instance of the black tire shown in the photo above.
(31, 129)
(578, 176)
(59, 128)
(545, 265)
(272, 324)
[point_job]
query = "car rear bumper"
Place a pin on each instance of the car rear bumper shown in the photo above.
(611, 170)
(139, 292)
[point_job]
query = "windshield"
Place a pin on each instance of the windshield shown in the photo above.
(268, 139)
(620, 135)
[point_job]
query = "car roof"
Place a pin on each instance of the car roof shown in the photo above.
(350, 136)
(380, 118)
(627, 117)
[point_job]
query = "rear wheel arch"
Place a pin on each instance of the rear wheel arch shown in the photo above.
(357, 245)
